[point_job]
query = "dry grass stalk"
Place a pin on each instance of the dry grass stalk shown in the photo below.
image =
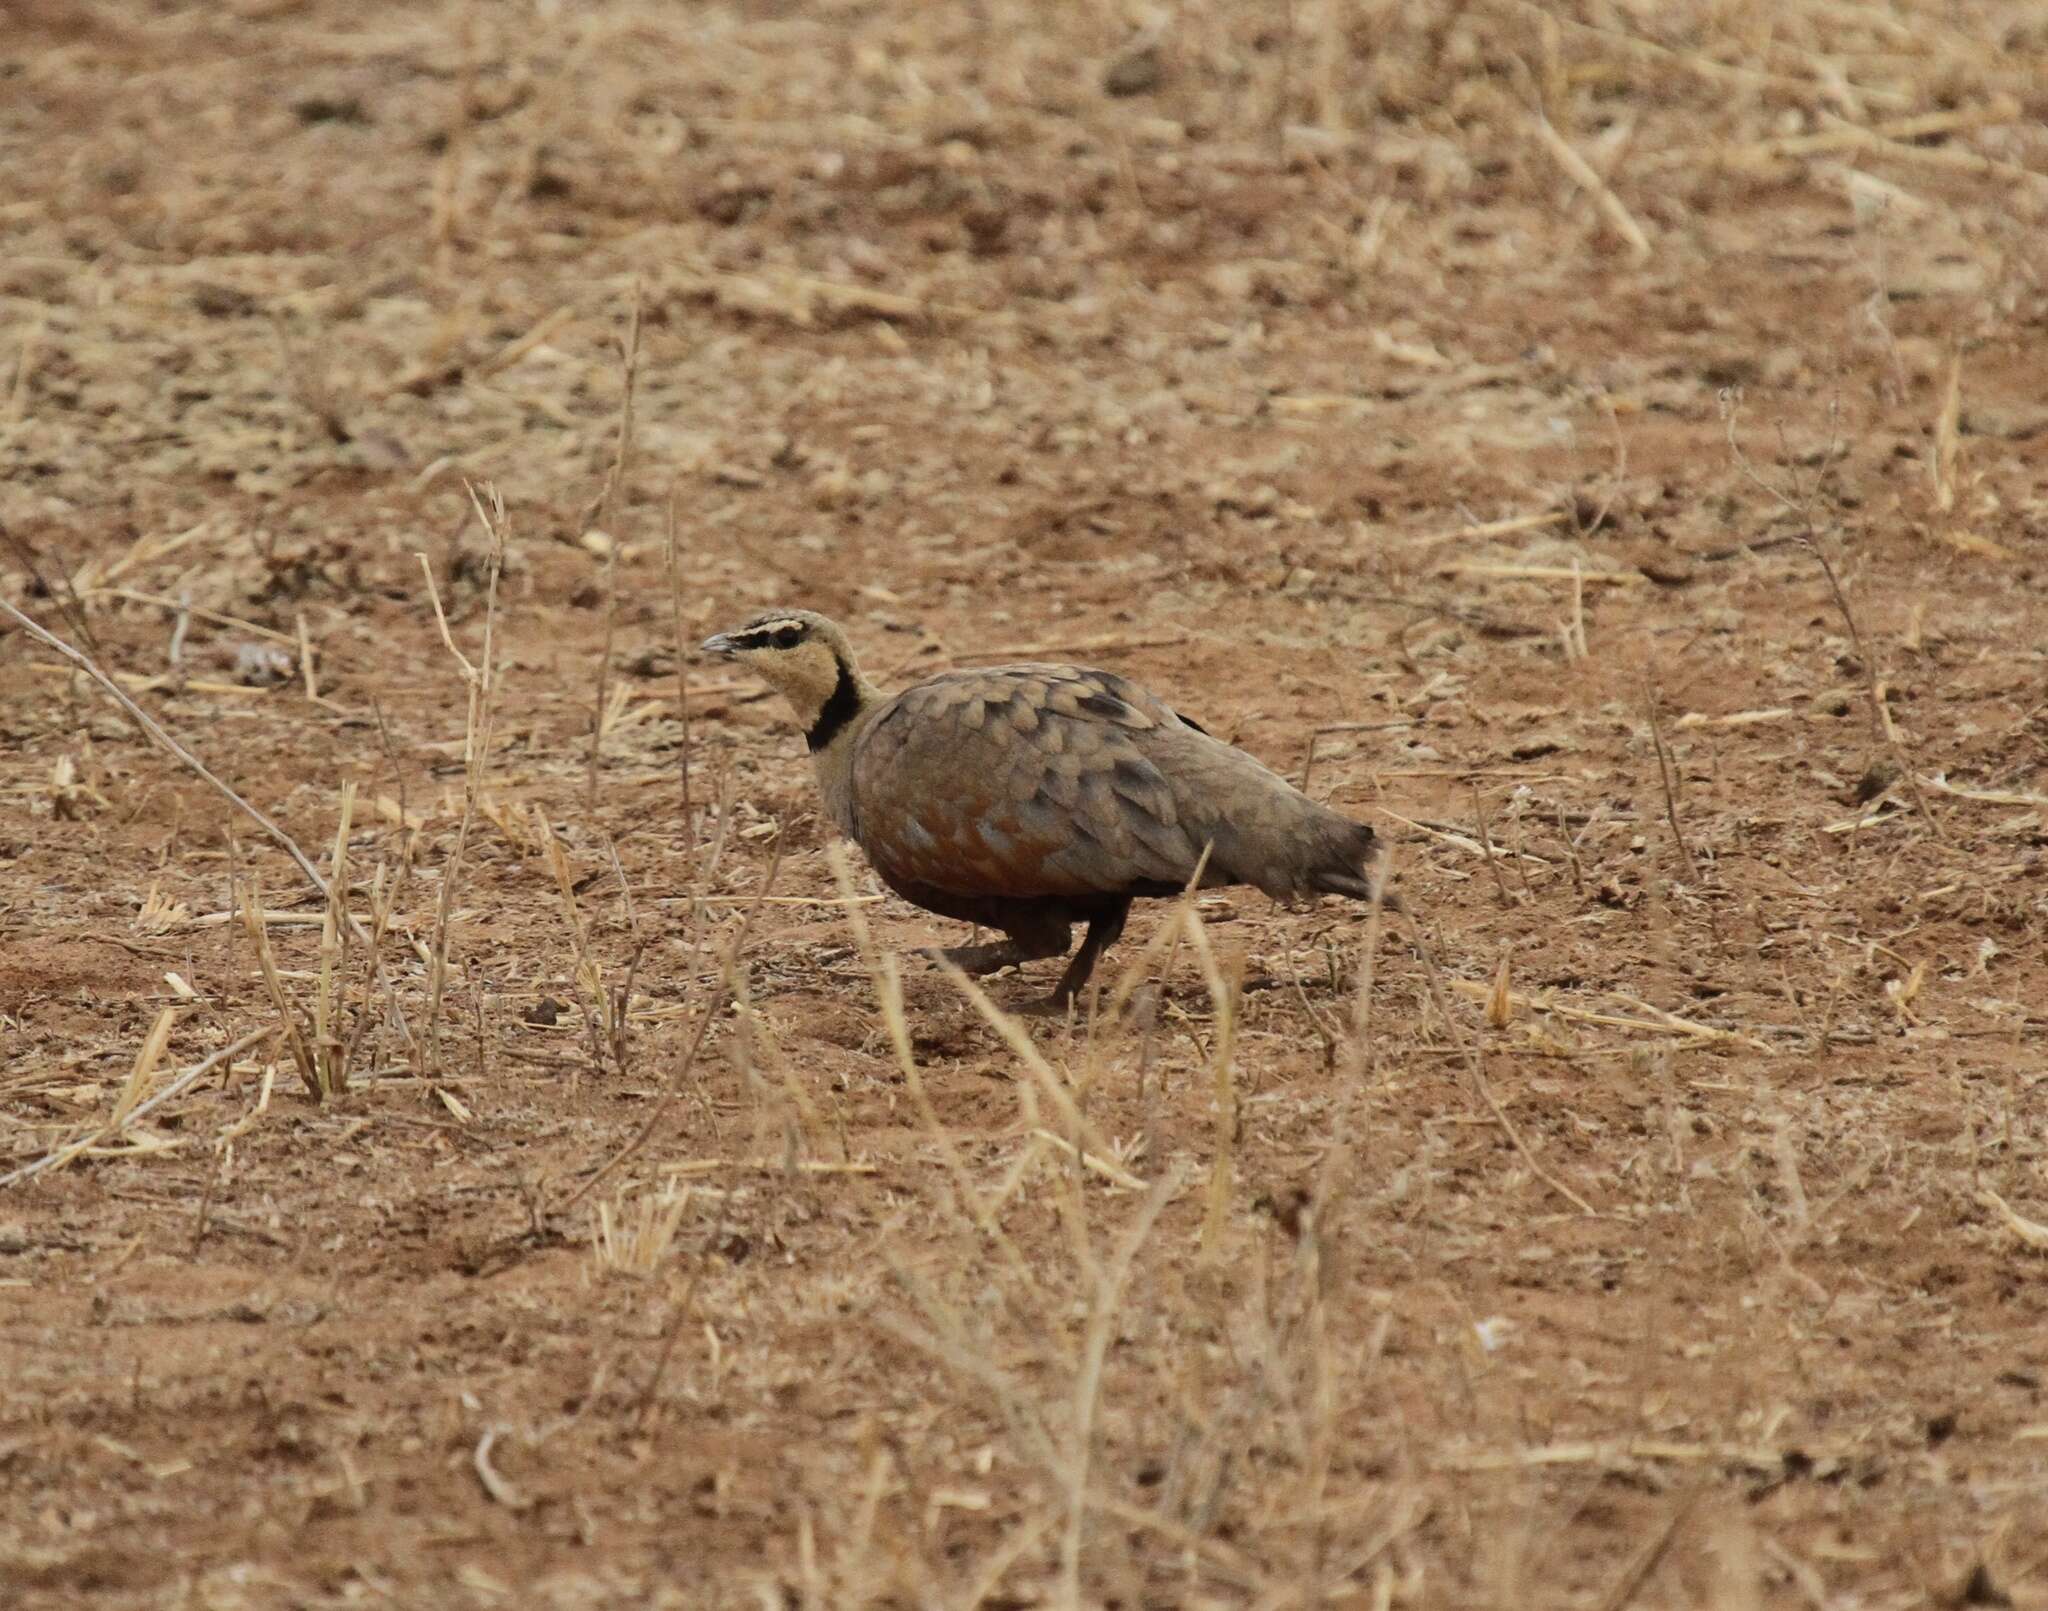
(1079, 1127)
(603, 513)
(1222, 1088)
(1066, 1452)
(146, 1060)
(556, 857)
(1583, 174)
(1714, 71)
(671, 554)
(1025, 1537)
(1500, 1000)
(1944, 467)
(1105, 1308)
(329, 1053)
(713, 999)
(2030, 1231)
(496, 1488)
(141, 1110)
(1481, 530)
(888, 982)
(635, 1232)
(1332, 52)
(1572, 634)
(1918, 127)
(1881, 716)
(1166, 938)
(173, 680)
(1486, 848)
(27, 357)
(757, 1039)
(319, 1051)
(950, 1341)
(1661, 1021)
(250, 902)
(1360, 1059)
(681, 1309)
(1464, 842)
(1645, 1560)
(1667, 776)
(1475, 1060)
(64, 592)
(445, 223)
(481, 688)
(1900, 141)
(156, 734)
(1114, 1173)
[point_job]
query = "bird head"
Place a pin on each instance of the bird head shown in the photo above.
(800, 654)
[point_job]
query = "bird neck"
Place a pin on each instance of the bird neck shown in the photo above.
(851, 692)
(833, 729)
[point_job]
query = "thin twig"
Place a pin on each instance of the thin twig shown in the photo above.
(622, 458)
(67, 599)
(1880, 716)
(670, 557)
(1637, 1572)
(1587, 177)
(157, 735)
(1802, 507)
(1493, 856)
(1667, 774)
(476, 750)
(141, 1110)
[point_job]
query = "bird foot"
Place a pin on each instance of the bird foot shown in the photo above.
(976, 959)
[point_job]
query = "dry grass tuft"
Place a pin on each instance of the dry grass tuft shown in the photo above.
(634, 1233)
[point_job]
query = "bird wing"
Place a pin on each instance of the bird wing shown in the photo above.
(1022, 781)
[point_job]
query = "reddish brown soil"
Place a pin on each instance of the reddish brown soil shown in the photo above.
(1683, 1281)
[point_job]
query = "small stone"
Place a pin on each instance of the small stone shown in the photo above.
(1139, 72)
(222, 301)
(262, 665)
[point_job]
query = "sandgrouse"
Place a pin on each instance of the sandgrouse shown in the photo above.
(1028, 798)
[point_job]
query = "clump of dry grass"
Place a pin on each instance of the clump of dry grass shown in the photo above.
(132, 1107)
(1065, 1317)
(634, 1232)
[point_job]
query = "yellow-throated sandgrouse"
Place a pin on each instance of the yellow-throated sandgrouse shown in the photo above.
(1030, 798)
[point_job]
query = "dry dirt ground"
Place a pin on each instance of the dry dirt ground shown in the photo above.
(1475, 396)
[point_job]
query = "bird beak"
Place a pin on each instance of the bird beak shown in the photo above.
(718, 644)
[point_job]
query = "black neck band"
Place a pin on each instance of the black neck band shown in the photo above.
(840, 709)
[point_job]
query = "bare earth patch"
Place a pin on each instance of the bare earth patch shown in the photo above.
(1464, 407)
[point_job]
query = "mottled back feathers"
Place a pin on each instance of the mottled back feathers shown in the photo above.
(1021, 781)
(1056, 780)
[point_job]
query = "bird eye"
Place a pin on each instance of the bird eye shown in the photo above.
(789, 637)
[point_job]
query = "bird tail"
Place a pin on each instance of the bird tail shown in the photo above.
(1355, 865)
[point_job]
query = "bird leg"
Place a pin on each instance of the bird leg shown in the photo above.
(1019, 946)
(1103, 932)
